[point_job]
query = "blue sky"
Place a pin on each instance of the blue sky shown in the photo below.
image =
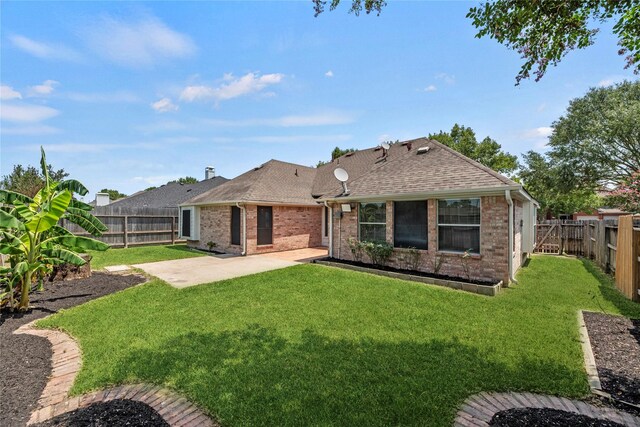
(127, 95)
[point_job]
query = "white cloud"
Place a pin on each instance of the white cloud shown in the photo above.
(156, 179)
(232, 87)
(138, 44)
(285, 139)
(7, 93)
(329, 73)
(541, 132)
(611, 80)
(98, 97)
(44, 50)
(447, 78)
(542, 107)
(430, 88)
(30, 130)
(27, 113)
(72, 147)
(384, 137)
(46, 88)
(164, 105)
(319, 119)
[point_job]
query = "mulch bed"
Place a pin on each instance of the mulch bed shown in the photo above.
(545, 417)
(107, 414)
(26, 359)
(405, 271)
(615, 341)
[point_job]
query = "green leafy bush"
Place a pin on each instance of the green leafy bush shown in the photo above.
(379, 252)
(356, 247)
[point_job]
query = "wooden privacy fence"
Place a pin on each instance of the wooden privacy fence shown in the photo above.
(134, 226)
(615, 247)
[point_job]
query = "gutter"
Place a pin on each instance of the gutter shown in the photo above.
(484, 191)
(330, 213)
(244, 228)
(507, 195)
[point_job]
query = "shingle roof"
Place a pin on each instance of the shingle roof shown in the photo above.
(405, 171)
(169, 195)
(273, 182)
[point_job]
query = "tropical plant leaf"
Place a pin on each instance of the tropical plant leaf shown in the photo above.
(45, 168)
(9, 221)
(9, 197)
(80, 205)
(23, 210)
(73, 186)
(51, 213)
(21, 268)
(64, 255)
(78, 242)
(56, 230)
(87, 221)
(10, 244)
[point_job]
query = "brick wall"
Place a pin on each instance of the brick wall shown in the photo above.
(491, 264)
(293, 228)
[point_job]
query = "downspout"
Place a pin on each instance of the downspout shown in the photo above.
(244, 228)
(330, 213)
(507, 195)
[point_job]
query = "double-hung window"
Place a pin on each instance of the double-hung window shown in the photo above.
(373, 222)
(459, 225)
(410, 224)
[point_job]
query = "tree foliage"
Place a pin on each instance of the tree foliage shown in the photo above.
(33, 240)
(488, 151)
(543, 180)
(113, 194)
(356, 6)
(597, 142)
(29, 180)
(627, 196)
(337, 152)
(184, 180)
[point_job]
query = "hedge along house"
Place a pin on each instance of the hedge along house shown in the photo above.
(266, 209)
(421, 194)
(416, 194)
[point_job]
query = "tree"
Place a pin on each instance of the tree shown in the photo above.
(488, 152)
(597, 142)
(542, 31)
(113, 194)
(185, 180)
(150, 188)
(627, 195)
(29, 180)
(543, 181)
(33, 240)
(337, 152)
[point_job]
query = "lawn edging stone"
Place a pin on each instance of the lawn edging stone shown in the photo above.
(452, 284)
(589, 358)
(66, 361)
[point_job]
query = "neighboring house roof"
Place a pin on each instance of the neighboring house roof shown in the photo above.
(404, 169)
(272, 182)
(169, 195)
(612, 211)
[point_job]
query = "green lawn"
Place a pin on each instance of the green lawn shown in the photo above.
(312, 345)
(140, 254)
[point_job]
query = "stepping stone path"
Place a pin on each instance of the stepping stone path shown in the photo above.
(117, 268)
(66, 362)
(478, 410)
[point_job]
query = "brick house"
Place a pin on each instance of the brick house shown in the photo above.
(416, 194)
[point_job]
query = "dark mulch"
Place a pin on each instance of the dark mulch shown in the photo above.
(545, 417)
(107, 414)
(404, 271)
(615, 342)
(26, 359)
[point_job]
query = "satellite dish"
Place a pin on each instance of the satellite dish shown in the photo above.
(385, 145)
(341, 175)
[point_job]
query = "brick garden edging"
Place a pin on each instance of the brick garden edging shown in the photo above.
(66, 361)
(478, 410)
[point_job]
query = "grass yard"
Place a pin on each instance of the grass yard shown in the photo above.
(139, 255)
(312, 345)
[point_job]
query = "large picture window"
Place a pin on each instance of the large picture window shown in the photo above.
(265, 225)
(459, 225)
(410, 224)
(373, 222)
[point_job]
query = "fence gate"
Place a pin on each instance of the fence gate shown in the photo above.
(549, 239)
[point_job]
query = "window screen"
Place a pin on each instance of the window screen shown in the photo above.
(265, 225)
(186, 222)
(410, 224)
(373, 222)
(459, 225)
(235, 225)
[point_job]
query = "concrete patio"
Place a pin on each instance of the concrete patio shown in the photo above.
(182, 273)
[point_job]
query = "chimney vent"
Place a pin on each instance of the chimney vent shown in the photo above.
(209, 172)
(102, 199)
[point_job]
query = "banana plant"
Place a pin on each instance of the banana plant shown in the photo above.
(32, 239)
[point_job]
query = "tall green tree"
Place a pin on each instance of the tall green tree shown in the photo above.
(543, 31)
(113, 194)
(488, 151)
(29, 180)
(597, 142)
(33, 240)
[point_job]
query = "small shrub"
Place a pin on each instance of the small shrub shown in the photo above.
(465, 263)
(437, 262)
(412, 259)
(211, 245)
(379, 252)
(356, 247)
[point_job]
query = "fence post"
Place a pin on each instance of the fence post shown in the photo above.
(173, 230)
(124, 231)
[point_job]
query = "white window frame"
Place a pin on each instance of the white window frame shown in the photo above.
(458, 225)
(373, 223)
(194, 230)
